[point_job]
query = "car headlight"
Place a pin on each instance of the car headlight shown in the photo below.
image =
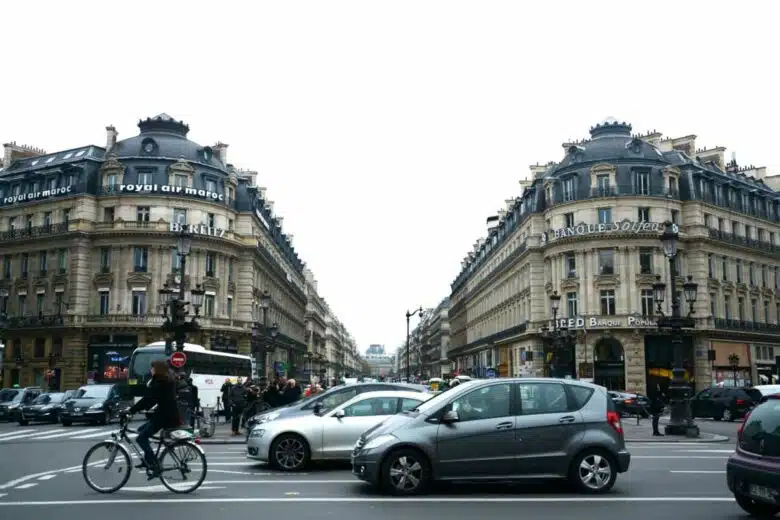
(96, 406)
(379, 441)
(268, 417)
(257, 433)
(46, 408)
(13, 406)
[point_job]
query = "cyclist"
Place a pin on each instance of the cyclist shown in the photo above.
(162, 392)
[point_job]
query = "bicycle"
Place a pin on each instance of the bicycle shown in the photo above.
(169, 440)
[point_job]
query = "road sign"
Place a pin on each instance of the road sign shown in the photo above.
(178, 359)
(490, 373)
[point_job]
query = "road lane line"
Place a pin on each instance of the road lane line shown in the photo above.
(17, 432)
(60, 434)
(25, 478)
(698, 471)
(27, 486)
(366, 500)
(26, 435)
(104, 433)
(676, 457)
(704, 451)
(47, 477)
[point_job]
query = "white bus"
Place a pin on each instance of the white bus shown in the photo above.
(208, 369)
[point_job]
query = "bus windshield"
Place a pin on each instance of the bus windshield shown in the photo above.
(141, 362)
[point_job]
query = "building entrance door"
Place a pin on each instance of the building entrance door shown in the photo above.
(609, 369)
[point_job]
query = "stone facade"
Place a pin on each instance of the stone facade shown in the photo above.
(588, 230)
(88, 239)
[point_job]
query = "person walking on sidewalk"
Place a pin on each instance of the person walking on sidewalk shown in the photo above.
(657, 405)
(225, 390)
(238, 403)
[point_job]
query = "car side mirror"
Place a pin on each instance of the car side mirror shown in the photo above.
(450, 416)
(339, 414)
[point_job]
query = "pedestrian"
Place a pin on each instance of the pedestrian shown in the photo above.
(238, 403)
(657, 405)
(225, 391)
(195, 401)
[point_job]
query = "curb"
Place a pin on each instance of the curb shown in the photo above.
(716, 439)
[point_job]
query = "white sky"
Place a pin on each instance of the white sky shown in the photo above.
(386, 132)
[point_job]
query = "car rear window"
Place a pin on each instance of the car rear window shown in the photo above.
(753, 394)
(580, 395)
(761, 432)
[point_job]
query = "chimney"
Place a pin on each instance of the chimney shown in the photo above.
(290, 238)
(269, 205)
(220, 149)
(111, 134)
(492, 223)
(261, 192)
(280, 221)
(732, 166)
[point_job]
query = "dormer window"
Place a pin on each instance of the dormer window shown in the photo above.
(208, 153)
(634, 145)
(149, 146)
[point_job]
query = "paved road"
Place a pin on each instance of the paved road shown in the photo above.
(36, 472)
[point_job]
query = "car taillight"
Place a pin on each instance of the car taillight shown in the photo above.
(629, 401)
(740, 401)
(742, 426)
(613, 418)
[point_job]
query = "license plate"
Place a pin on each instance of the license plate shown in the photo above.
(761, 492)
(78, 413)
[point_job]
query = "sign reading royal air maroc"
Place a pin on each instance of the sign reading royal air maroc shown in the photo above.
(172, 190)
(198, 229)
(604, 322)
(625, 226)
(36, 195)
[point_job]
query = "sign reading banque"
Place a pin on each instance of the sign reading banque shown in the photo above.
(605, 322)
(625, 226)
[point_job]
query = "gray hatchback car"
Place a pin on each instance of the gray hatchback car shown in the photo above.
(498, 429)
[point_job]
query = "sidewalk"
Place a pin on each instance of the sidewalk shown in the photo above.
(633, 433)
(644, 433)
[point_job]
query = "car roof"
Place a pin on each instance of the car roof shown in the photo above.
(392, 393)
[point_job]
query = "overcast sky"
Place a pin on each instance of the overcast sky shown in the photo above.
(386, 132)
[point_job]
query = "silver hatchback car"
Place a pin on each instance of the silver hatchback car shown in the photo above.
(498, 429)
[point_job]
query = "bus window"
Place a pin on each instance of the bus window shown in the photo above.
(142, 363)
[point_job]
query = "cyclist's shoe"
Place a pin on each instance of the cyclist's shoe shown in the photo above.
(154, 472)
(141, 465)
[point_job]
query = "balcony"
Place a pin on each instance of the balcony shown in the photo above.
(34, 232)
(737, 240)
(37, 322)
(747, 326)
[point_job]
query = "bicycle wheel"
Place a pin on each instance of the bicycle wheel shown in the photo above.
(112, 459)
(183, 460)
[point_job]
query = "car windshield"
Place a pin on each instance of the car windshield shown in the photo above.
(93, 392)
(8, 395)
(434, 403)
(329, 402)
(43, 399)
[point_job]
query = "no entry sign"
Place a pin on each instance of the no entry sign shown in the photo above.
(178, 359)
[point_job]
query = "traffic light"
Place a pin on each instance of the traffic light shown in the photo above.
(168, 347)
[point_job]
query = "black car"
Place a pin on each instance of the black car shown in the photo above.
(630, 404)
(753, 471)
(44, 408)
(12, 399)
(724, 404)
(96, 404)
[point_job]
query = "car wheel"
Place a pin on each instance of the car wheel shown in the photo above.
(726, 415)
(289, 452)
(67, 422)
(756, 509)
(593, 472)
(406, 472)
(22, 422)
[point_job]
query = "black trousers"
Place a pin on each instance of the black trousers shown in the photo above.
(656, 416)
(237, 413)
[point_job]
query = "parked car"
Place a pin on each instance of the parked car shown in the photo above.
(724, 404)
(44, 408)
(767, 390)
(329, 399)
(630, 404)
(498, 429)
(753, 471)
(12, 399)
(97, 404)
(289, 444)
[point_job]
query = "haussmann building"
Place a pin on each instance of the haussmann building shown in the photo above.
(588, 229)
(87, 238)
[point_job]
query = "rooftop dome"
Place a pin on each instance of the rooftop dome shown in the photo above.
(162, 136)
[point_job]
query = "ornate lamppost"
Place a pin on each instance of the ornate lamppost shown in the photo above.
(408, 347)
(263, 335)
(174, 301)
(681, 420)
(561, 340)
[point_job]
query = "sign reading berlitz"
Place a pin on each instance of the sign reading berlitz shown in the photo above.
(195, 229)
(625, 226)
(35, 195)
(604, 322)
(173, 190)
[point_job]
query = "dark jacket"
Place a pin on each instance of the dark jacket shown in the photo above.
(162, 392)
(657, 403)
(226, 387)
(290, 395)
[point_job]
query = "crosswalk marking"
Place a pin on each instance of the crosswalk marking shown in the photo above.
(105, 433)
(59, 434)
(26, 435)
(17, 432)
(56, 433)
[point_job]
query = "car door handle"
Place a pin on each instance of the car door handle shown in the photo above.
(567, 419)
(504, 426)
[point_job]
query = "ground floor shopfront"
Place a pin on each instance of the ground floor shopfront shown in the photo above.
(68, 358)
(635, 360)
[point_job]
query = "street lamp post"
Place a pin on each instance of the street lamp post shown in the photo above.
(734, 363)
(408, 347)
(175, 301)
(681, 420)
(263, 335)
(561, 338)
